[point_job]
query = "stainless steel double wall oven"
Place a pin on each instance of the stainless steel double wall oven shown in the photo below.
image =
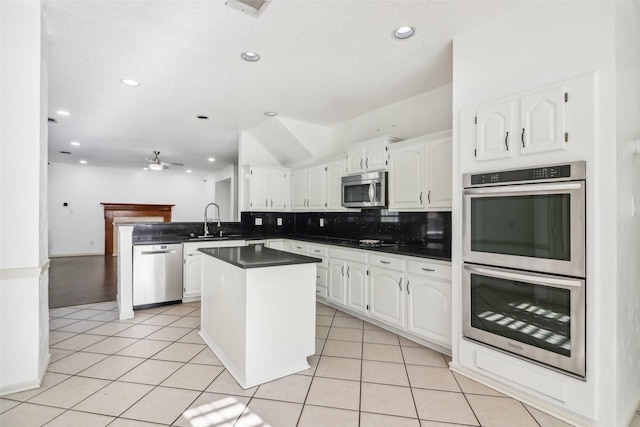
(524, 272)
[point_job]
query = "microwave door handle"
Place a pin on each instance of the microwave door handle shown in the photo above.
(524, 188)
(546, 281)
(372, 192)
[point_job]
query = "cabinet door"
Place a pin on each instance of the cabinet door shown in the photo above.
(438, 160)
(493, 131)
(192, 274)
(356, 276)
(386, 296)
(429, 308)
(376, 157)
(277, 190)
(406, 178)
(315, 188)
(299, 189)
(356, 160)
(258, 183)
(334, 173)
(336, 282)
(542, 121)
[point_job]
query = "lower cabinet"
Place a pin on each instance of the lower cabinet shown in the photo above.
(356, 286)
(429, 308)
(337, 286)
(386, 296)
(192, 266)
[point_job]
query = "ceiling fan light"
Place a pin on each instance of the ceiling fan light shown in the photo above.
(155, 166)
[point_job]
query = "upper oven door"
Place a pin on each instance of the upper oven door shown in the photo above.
(536, 227)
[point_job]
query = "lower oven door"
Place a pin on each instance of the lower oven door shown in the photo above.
(535, 316)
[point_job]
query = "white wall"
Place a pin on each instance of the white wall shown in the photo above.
(540, 44)
(229, 201)
(79, 228)
(24, 315)
(627, 27)
(422, 114)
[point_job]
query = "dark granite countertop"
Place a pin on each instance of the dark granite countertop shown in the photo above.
(257, 256)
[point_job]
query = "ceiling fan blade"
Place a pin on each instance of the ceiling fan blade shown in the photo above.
(173, 163)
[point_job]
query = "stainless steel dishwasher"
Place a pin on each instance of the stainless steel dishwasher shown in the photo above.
(157, 274)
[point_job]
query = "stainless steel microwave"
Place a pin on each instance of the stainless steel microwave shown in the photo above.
(367, 190)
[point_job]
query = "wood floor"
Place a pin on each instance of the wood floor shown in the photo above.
(82, 280)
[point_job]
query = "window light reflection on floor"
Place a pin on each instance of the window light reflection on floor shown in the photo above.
(223, 413)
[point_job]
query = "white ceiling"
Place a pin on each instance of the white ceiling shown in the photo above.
(322, 61)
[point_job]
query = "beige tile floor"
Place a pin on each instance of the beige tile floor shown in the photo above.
(149, 370)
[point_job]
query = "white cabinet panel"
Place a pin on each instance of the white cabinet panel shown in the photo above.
(493, 128)
(542, 121)
(337, 283)
(386, 296)
(356, 286)
(438, 157)
(406, 177)
(429, 308)
(315, 187)
(268, 188)
(299, 196)
(335, 170)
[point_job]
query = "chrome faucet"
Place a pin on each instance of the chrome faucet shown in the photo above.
(206, 227)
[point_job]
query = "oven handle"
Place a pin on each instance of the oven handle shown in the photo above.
(546, 281)
(524, 188)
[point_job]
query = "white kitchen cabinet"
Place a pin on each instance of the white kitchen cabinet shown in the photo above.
(316, 182)
(369, 156)
(386, 296)
(276, 244)
(192, 266)
(406, 176)
(348, 278)
(299, 195)
(268, 188)
(334, 171)
(530, 123)
(420, 173)
(429, 300)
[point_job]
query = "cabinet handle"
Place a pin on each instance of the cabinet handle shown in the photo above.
(360, 163)
(271, 202)
(522, 137)
(317, 292)
(385, 262)
(429, 197)
(408, 291)
(342, 269)
(317, 277)
(427, 269)
(316, 250)
(367, 163)
(266, 203)
(400, 284)
(348, 269)
(420, 197)
(506, 141)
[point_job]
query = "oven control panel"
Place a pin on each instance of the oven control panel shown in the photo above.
(533, 174)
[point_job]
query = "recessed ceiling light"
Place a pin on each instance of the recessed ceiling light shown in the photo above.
(270, 113)
(188, 170)
(130, 82)
(250, 56)
(63, 113)
(403, 33)
(84, 162)
(75, 143)
(145, 169)
(202, 117)
(211, 159)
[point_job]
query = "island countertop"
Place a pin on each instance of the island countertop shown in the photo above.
(257, 256)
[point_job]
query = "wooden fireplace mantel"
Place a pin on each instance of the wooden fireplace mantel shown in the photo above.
(115, 210)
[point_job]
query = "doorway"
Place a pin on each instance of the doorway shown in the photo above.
(224, 199)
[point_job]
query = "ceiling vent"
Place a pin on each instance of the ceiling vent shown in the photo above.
(250, 7)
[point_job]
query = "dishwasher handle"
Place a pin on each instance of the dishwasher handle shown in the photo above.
(168, 251)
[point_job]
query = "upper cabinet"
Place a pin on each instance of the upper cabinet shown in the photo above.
(539, 127)
(369, 156)
(318, 187)
(268, 188)
(420, 173)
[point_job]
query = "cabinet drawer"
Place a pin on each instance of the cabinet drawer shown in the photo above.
(321, 277)
(385, 261)
(321, 292)
(355, 255)
(317, 250)
(429, 268)
(299, 247)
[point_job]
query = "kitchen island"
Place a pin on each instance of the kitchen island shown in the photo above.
(258, 311)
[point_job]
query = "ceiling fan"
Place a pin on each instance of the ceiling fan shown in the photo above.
(157, 165)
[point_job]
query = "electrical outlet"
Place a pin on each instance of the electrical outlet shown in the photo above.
(258, 221)
(321, 222)
(279, 221)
